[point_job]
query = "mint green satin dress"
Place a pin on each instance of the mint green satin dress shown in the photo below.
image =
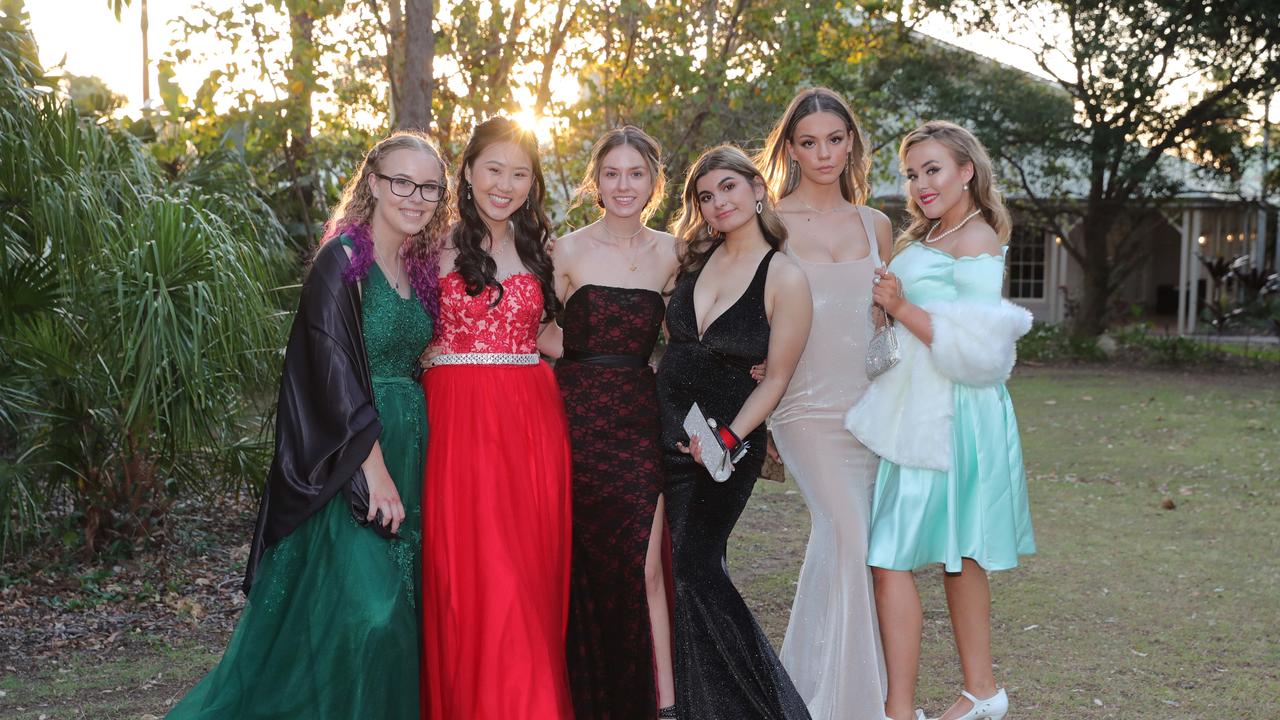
(330, 629)
(978, 509)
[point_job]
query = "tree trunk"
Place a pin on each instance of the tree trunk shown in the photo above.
(416, 82)
(302, 83)
(1095, 303)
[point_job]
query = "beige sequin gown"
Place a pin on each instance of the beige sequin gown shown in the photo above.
(832, 647)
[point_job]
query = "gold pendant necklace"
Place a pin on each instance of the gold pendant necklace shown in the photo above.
(635, 252)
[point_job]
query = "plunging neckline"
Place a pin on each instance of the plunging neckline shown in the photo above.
(392, 288)
(693, 294)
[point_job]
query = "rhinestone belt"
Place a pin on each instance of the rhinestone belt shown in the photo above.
(484, 359)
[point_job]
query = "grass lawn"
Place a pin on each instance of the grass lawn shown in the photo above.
(1130, 610)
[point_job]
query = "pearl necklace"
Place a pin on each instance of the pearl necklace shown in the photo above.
(928, 237)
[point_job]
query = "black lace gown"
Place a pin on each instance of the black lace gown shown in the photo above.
(612, 408)
(725, 668)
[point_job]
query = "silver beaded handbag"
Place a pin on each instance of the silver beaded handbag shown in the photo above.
(883, 351)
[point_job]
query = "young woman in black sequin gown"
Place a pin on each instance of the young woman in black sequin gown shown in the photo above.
(737, 303)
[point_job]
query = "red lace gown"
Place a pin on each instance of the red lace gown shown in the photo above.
(496, 514)
(611, 399)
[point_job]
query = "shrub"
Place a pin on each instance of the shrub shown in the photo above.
(137, 326)
(1049, 343)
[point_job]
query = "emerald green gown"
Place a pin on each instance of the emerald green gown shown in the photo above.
(330, 629)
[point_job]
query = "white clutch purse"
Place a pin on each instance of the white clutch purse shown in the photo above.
(714, 457)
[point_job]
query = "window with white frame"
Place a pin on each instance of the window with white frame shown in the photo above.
(1026, 263)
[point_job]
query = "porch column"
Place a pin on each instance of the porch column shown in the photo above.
(1183, 258)
(1259, 258)
(1193, 271)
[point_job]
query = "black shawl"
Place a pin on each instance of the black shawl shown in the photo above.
(326, 422)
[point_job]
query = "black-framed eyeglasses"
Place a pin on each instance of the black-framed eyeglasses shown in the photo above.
(404, 187)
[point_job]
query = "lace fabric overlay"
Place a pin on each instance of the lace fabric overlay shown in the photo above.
(474, 324)
(617, 476)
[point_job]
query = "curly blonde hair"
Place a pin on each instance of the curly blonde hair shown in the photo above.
(354, 211)
(965, 149)
(694, 238)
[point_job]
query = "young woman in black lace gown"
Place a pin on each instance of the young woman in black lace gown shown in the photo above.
(612, 276)
(738, 302)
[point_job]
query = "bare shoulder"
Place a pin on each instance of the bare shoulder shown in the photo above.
(665, 242)
(569, 245)
(785, 275)
(976, 239)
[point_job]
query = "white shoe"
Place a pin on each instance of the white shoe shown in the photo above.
(918, 716)
(993, 708)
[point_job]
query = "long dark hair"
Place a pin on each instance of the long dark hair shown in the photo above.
(783, 175)
(532, 228)
(695, 240)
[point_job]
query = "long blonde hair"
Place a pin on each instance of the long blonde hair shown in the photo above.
(354, 211)
(641, 142)
(783, 175)
(964, 149)
(694, 238)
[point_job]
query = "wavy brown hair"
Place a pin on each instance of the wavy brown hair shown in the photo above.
(354, 211)
(783, 175)
(641, 142)
(695, 240)
(532, 228)
(965, 149)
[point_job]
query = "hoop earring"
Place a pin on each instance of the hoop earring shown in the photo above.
(709, 233)
(759, 207)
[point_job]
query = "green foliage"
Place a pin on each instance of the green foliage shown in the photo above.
(1052, 343)
(1160, 349)
(137, 321)
(92, 97)
(1150, 82)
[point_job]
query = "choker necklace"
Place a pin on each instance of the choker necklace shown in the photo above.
(621, 238)
(931, 240)
(635, 252)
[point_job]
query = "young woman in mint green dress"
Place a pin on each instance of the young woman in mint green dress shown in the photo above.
(330, 628)
(950, 488)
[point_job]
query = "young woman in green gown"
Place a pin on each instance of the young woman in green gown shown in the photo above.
(330, 628)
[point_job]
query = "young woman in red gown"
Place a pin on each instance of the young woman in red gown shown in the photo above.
(496, 500)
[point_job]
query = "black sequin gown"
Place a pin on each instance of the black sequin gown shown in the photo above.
(612, 408)
(725, 668)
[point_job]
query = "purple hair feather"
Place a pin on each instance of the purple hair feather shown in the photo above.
(423, 276)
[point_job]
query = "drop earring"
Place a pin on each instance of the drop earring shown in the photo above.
(468, 191)
(966, 187)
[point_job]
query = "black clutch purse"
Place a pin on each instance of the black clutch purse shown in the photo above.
(357, 493)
